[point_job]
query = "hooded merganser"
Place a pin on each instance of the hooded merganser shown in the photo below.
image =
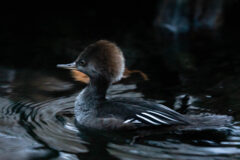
(104, 63)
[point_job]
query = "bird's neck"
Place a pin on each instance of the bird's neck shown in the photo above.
(98, 87)
(95, 91)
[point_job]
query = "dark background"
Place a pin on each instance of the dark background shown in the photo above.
(45, 38)
(32, 38)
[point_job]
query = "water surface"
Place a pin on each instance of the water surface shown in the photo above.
(37, 120)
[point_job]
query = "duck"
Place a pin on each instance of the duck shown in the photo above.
(104, 63)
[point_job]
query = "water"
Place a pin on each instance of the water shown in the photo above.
(37, 120)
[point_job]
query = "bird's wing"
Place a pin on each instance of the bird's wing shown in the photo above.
(153, 117)
(144, 113)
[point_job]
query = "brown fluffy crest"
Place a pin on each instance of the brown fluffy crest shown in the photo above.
(107, 59)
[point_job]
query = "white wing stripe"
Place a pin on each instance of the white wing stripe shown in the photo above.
(136, 121)
(148, 120)
(128, 120)
(157, 119)
(161, 115)
(165, 107)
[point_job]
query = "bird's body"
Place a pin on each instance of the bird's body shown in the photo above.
(104, 63)
(123, 113)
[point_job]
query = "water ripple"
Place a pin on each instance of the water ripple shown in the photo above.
(46, 129)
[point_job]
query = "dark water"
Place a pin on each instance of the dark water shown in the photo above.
(37, 120)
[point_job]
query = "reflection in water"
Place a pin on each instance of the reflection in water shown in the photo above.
(33, 127)
(79, 76)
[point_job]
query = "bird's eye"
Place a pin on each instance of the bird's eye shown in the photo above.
(82, 62)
